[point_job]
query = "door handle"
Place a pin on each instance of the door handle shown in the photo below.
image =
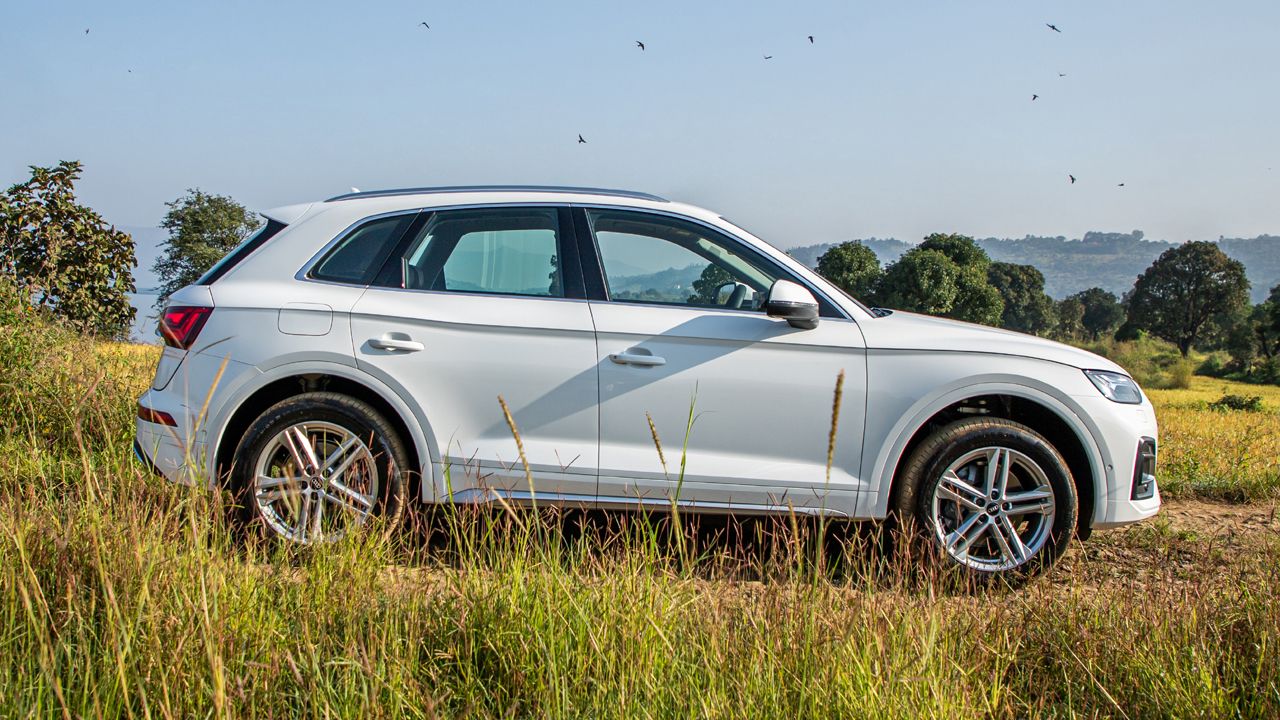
(384, 343)
(637, 359)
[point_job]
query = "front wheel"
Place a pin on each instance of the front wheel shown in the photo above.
(992, 496)
(317, 465)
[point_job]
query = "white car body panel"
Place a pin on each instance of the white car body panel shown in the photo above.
(764, 388)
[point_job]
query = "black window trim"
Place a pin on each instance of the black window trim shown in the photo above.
(308, 268)
(593, 266)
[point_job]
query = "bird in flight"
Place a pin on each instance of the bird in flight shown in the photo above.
(1120, 185)
(86, 31)
(1062, 74)
(810, 39)
(1073, 179)
(1052, 27)
(1033, 97)
(768, 57)
(581, 140)
(423, 24)
(640, 45)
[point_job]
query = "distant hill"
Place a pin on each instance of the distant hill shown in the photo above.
(1111, 261)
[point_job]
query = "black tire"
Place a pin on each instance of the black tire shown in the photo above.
(919, 480)
(355, 416)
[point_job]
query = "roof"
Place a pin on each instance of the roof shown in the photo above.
(498, 188)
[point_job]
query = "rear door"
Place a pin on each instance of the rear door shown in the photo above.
(477, 304)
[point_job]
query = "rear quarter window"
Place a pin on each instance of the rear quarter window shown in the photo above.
(360, 254)
(241, 251)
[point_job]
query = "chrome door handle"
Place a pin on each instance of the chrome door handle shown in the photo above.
(638, 360)
(395, 344)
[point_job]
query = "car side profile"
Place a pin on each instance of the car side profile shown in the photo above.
(346, 361)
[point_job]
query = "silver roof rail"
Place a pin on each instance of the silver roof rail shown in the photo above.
(497, 188)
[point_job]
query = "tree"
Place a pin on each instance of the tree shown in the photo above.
(853, 267)
(63, 255)
(944, 275)
(924, 281)
(1101, 311)
(1185, 288)
(1026, 306)
(706, 287)
(1069, 321)
(202, 229)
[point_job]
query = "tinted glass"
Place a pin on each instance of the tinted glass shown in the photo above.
(358, 256)
(654, 259)
(508, 251)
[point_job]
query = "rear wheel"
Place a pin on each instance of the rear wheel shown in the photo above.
(318, 465)
(991, 496)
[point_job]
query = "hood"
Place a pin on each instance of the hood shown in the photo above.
(909, 331)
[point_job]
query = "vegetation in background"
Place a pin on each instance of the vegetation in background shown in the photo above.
(1026, 306)
(853, 267)
(1185, 288)
(202, 229)
(64, 256)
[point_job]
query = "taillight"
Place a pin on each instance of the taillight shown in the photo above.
(180, 325)
(158, 417)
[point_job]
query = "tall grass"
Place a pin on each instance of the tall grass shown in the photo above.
(123, 596)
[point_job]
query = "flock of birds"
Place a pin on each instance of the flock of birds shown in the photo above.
(641, 46)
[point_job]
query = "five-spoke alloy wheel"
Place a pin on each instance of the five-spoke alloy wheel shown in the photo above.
(315, 466)
(992, 496)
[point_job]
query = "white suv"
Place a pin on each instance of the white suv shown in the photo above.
(349, 357)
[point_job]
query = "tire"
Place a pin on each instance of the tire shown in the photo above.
(277, 483)
(967, 520)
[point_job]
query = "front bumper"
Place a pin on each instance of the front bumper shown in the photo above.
(1121, 431)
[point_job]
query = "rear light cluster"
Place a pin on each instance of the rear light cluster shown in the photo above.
(180, 325)
(1144, 471)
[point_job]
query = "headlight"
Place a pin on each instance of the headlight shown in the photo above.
(1116, 387)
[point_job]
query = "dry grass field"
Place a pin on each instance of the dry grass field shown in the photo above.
(123, 596)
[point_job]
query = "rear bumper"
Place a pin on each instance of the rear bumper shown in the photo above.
(159, 449)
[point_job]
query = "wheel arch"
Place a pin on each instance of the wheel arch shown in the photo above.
(1058, 419)
(286, 381)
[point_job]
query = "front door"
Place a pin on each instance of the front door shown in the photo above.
(483, 303)
(683, 335)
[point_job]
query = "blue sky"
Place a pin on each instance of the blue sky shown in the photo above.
(902, 118)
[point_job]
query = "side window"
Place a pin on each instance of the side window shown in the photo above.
(507, 251)
(654, 259)
(358, 256)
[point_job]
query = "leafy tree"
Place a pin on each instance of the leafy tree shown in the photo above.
(202, 229)
(978, 301)
(1184, 289)
(924, 281)
(1069, 318)
(1026, 306)
(64, 255)
(705, 288)
(853, 267)
(1268, 328)
(1101, 311)
(961, 249)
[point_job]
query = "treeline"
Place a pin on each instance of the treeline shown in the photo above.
(1107, 260)
(1192, 295)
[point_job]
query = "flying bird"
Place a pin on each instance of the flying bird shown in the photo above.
(1052, 27)
(1073, 179)
(581, 141)
(1062, 74)
(1033, 97)
(423, 24)
(1120, 185)
(86, 31)
(810, 39)
(640, 45)
(768, 57)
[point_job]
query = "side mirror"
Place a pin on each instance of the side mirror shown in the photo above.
(792, 303)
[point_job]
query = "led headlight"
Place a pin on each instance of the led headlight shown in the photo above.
(1116, 387)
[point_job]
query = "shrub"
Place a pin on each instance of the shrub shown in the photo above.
(1249, 403)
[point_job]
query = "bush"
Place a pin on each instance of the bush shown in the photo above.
(1250, 403)
(1213, 367)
